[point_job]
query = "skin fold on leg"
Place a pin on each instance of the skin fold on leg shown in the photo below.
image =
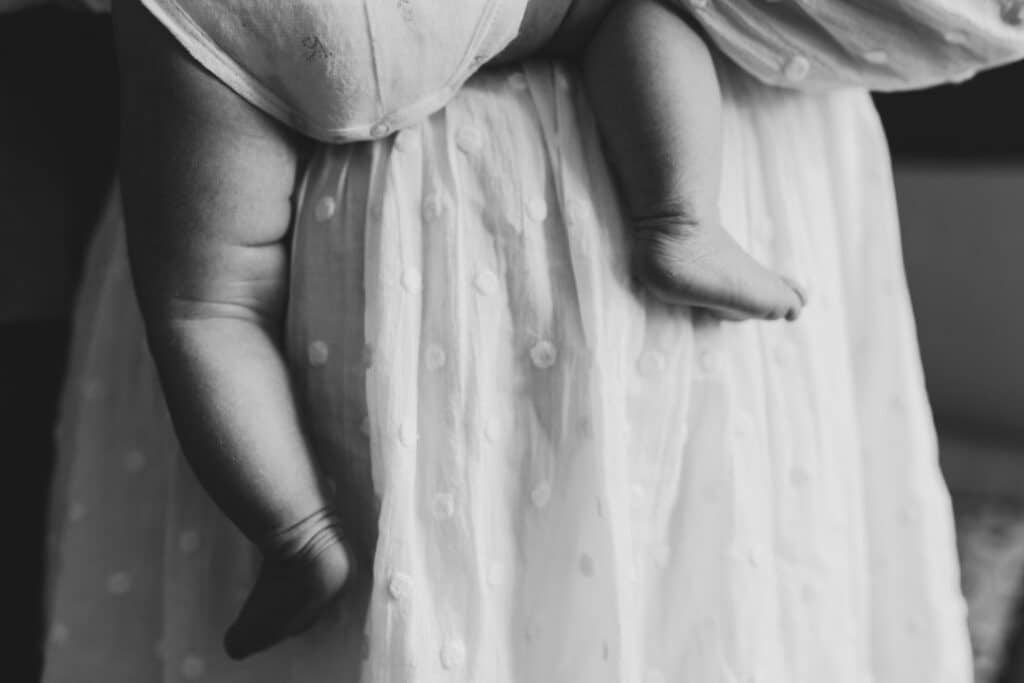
(207, 183)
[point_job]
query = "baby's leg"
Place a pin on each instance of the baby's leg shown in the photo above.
(207, 182)
(655, 94)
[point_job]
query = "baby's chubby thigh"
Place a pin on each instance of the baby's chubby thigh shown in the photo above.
(207, 182)
(208, 177)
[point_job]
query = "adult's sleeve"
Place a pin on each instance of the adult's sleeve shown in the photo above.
(877, 44)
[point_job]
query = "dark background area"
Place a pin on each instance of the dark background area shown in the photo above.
(57, 149)
(979, 120)
(57, 146)
(58, 119)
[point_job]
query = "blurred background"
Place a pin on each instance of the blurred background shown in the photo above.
(959, 161)
(958, 155)
(58, 113)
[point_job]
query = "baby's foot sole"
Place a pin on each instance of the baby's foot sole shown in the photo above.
(703, 266)
(297, 581)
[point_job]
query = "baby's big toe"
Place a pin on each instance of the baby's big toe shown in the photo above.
(798, 298)
(785, 302)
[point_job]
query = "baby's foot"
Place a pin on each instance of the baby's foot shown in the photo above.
(702, 265)
(304, 569)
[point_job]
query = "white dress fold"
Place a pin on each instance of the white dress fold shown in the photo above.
(575, 483)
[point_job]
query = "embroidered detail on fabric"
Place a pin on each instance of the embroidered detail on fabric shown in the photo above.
(315, 49)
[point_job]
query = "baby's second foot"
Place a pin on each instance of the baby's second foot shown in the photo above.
(702, 265)
(304, 570)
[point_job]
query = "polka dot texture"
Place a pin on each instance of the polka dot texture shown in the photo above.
(566, 470)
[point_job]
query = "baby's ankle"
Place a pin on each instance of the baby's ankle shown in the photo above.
(669, 222)
(305, 540)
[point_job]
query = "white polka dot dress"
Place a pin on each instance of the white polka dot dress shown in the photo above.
(567, 482)
(881, 44)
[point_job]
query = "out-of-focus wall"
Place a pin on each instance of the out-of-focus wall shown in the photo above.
(959, 166)
(963, 235)
(958, 153)
(58, 121)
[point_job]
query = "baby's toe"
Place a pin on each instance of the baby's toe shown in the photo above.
(796, 306)
(797, 288)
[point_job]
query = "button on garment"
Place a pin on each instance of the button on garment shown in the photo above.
(797, 68)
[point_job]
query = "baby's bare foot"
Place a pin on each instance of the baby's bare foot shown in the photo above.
(702, 265)
(304, 569)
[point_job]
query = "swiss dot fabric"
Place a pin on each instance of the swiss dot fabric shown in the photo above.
(570, 482)
(875, 44)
